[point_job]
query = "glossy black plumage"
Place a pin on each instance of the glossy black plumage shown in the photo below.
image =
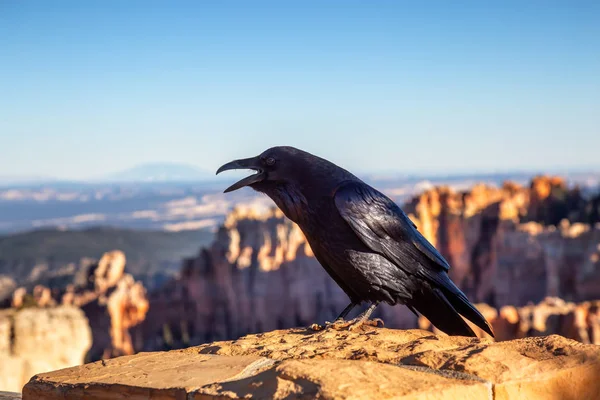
(363, 239)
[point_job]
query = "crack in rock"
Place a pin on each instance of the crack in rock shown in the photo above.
(253, 369)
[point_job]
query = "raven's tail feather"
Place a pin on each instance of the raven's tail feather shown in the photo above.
(461, 304)
(433, 305)
(443, 307)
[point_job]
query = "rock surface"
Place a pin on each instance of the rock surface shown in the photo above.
(372, 363)
(35, 340)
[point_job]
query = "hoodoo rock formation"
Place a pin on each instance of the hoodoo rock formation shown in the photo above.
(514, 244)
(113, 302)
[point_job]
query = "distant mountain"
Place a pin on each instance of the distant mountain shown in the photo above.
(161, 172)
(25, 180)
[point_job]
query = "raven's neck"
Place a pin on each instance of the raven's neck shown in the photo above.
(290, 200)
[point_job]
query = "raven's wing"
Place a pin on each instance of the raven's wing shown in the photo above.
(384, 227)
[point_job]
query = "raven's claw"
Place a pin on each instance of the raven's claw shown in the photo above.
(353, 324)
(316, 327)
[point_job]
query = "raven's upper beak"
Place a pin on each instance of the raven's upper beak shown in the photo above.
(246, 163)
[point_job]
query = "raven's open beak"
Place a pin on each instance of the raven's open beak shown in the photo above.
(246, 163)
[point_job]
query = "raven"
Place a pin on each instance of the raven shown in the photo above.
(364, 241)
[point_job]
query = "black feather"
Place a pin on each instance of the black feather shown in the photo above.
(431, 303)
(461, 304)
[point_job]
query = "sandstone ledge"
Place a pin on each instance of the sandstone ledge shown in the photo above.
(375, 363)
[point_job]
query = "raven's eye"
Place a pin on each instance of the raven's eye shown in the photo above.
(270, 161)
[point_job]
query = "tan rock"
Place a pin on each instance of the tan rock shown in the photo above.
(18, 297)
(7, 287)
(351, 380)
(113, 303)
(127, 307)
(109, 270)
(34, 340)
(146, 375)
(372, 363)
(43, 296)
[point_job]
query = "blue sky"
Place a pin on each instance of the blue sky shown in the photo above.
(91, 87)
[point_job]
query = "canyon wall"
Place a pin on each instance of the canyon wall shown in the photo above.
(514, 244)
(259, 274)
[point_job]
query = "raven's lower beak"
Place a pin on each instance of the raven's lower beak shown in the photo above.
(247, 163)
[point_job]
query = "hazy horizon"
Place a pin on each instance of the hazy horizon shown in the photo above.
(92, 88)
(208, 176)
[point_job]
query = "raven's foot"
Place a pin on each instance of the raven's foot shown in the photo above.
(328, 325)
(317, 327)
(340, 324)
(355, 324)
(375, 322)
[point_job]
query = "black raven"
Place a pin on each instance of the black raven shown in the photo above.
(365, 242)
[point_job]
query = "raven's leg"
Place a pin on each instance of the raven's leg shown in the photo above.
(362, 319)
(345, 312)
(367, 313)
(340, 318)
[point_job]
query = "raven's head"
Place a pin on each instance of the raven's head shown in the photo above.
(275, 166)
(290, 177)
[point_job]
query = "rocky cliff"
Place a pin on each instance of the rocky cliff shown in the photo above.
(515, 244)
(112, 301)
(35, 340)
(259, 273)
(369, 364)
